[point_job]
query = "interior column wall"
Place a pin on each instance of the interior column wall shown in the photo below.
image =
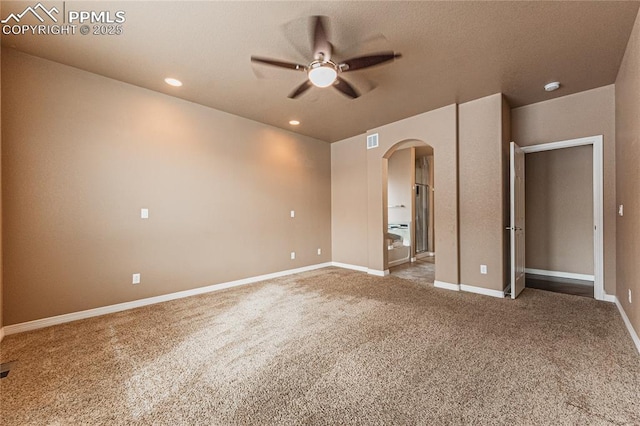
(349, 202)
(481, 160)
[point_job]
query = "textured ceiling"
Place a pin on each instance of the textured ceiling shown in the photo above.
(452, 52)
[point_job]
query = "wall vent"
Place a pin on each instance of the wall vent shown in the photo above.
(372, 141)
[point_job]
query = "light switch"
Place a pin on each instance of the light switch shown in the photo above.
(621, 210)
(144, 213)
(483, 269)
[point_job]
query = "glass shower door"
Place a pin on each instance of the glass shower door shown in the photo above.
(422, 218)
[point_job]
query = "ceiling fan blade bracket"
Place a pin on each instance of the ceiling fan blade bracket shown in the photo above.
(278, 63)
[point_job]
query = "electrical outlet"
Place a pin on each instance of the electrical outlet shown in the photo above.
(293, 213)
(319, 251)
(136, 279)
(483, 269)
(293, 255)
(144, 213)
(629, 295)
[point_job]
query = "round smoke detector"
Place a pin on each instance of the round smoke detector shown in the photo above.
(550, 87)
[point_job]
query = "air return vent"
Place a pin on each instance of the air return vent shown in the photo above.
(372, 141)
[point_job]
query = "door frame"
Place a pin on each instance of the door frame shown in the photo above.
(598, 201)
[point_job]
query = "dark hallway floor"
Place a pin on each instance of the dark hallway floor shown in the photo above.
(560, 285)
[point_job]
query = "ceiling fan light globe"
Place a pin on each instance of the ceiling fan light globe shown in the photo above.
(323, 76)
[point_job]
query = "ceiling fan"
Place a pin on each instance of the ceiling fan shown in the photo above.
(323, 71)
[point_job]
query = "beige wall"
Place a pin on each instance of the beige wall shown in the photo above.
(1, 238)
(480, 162)
(579, 115)
(628, 177)
(438, 129)
(82, 154)
(349, 201)
(506, 189)
(559, 210)
(400, 169)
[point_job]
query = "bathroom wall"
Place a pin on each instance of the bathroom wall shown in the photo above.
(399, 196)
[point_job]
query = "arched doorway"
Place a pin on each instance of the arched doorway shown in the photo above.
(408, 201)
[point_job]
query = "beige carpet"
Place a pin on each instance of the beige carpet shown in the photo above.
(331, 347)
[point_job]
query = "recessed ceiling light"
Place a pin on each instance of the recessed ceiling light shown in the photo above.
(294, 122)
(173, 82)
(550, 87)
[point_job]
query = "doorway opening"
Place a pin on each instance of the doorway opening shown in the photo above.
(410, 221)
(565, 238)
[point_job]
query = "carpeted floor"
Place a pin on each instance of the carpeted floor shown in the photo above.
(331, 347)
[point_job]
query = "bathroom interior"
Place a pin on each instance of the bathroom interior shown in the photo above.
(410, 195)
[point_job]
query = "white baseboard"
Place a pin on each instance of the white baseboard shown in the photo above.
(482, 290)
(349, 266)
(625, 318)
(399, 262)
(74, 316)
(446, 286)
(559, 274)
(377, 272)
(610, 298)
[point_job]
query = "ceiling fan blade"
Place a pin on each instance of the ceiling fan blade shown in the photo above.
(320, 45)
(281, 64)
(346, 88)
(367, 61)
(300, 89)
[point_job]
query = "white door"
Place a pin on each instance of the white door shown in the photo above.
(517, 220)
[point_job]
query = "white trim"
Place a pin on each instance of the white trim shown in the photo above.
(377, 272)
(425, 254)
(349, 266)
(632, 332)
(559, 274)
(103, 310)
(482, 290)
(446, 286)
(562, 144)
(398, 262)
(610, 298)
(598, 201)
